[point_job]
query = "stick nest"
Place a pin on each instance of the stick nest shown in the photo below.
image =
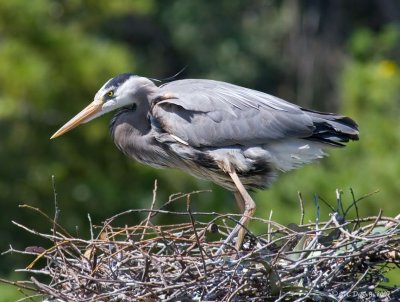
(336, 260)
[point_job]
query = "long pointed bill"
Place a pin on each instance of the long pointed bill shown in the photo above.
(81, 117)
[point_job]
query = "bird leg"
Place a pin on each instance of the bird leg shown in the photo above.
(243, 222)
(239, 201)
(247, 206)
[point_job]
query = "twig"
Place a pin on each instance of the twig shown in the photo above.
(46, 216)
(90, 227)
(56, 208)
(231, 296)
(300, 197)
(354, 285)
(197, 236)
(172, 262)
(356, 201)
(355, 207)
(346, 232)
(374, 224)
(269, 227)
(153, 202)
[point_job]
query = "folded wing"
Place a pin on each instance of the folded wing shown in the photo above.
(210, 113)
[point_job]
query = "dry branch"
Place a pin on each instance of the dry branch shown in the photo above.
(338, 260)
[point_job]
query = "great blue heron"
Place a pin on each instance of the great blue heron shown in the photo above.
(234, 136)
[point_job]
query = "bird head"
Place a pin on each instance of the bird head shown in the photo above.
(117, 92)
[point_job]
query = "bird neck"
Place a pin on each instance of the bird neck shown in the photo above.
(134, 137)
(145, 91)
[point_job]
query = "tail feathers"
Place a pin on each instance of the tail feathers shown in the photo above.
(332, 129)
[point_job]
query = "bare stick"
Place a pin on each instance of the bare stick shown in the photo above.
(153, 202)
(301, 207)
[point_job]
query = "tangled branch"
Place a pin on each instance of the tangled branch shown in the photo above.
(332, 261)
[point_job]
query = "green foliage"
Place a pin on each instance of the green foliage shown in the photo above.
(217, 42)
(54, 55)
(48, 67)
(9, 293)
(370, 93)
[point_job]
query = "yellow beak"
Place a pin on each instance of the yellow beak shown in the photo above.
(80, 118)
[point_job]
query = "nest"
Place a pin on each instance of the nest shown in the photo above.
(335, 260)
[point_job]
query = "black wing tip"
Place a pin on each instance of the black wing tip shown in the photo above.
(333, 129)
(351, 131)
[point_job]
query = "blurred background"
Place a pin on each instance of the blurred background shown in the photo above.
(340, 56)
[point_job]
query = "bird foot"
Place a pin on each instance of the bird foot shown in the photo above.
(229, 239)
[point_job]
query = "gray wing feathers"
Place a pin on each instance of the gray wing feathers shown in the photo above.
(206, 95)
(210, 113)
(214, 114)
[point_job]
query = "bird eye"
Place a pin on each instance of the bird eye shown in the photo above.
(110, 93)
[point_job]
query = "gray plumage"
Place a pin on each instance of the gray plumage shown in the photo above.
(205, 127)
(236, 137)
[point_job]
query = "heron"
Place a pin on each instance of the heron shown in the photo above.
(238, 138)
